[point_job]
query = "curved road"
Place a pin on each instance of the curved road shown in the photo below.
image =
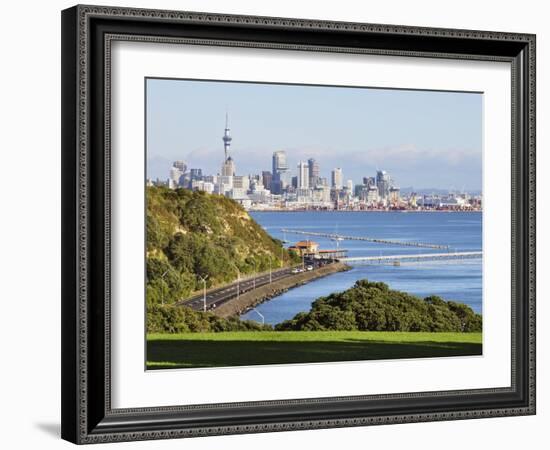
(217, 297)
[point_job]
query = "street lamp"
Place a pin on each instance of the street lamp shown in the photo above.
(204, 291)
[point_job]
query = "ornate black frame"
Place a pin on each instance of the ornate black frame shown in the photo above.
(87, 31)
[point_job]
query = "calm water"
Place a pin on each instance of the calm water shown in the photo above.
(452, 280)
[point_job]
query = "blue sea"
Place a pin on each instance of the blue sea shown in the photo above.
(459, 280)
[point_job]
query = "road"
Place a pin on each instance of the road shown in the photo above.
(217, 297)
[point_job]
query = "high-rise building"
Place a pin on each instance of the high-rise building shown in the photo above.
(180, 164)
(314, 172)
(228, 167)
(175, 174)
(394, 195)
(267, 178)
(349, 186)
(279, 161)
(241, 182)
(372, 195)
(281, 175)
(196, 174)
(383, 182)
(369, 181)
(337, 178)
(303, 175)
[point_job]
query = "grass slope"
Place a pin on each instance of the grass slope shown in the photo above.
(189, 350)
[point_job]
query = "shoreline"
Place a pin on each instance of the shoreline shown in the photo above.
(414, 211)
(250, 299)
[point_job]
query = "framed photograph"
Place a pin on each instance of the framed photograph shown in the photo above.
(279, 224)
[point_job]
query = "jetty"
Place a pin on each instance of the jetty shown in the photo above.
(411, 257)
(340, 237)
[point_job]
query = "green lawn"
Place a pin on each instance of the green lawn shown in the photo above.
(244, 348)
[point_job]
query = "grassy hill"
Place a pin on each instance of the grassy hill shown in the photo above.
(192, 234)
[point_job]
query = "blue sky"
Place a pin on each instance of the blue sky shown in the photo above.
(423, 139)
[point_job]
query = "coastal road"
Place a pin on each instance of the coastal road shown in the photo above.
(217, 297)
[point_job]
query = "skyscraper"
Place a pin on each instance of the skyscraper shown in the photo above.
(175, 174)
(369, 181)
(279, 161)
(267, 179)
(303, 175)
(281, 176)
(180, 164)
(383, 182)
(228, 167)
(314, 172)
(337, 178)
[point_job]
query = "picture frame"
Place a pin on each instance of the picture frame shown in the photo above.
(87, 366)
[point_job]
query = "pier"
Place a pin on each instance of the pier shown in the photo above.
(339, 237)
(419, 257)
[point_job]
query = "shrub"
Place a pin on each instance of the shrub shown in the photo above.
(373, 306)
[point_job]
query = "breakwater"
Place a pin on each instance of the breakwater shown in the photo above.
(259, 295)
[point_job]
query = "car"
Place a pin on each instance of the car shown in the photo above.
(296, 270)
(309, 268)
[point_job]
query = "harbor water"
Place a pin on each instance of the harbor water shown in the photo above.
(458, 280)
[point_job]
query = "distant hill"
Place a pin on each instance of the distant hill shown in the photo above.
(192, 234)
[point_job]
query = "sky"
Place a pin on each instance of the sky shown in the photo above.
(423, 139)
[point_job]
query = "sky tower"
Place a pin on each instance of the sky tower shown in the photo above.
(226, 137)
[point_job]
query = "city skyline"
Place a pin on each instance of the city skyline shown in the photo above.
(412, 155)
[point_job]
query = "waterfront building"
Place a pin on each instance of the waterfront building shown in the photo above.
(337, 178)
(372, 195)
(321, 194)
(304, 248)
(383, 182)
(394, 195)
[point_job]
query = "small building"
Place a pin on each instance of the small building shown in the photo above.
(305, 248)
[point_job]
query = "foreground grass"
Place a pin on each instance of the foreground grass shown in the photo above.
(245, 348)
